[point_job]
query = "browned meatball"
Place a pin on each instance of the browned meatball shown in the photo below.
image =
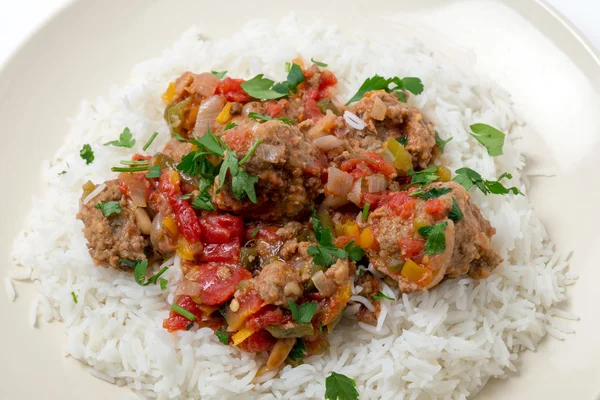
(277, 283)
(395, 226)
(117, 236)
(289, 169)
(387, 117)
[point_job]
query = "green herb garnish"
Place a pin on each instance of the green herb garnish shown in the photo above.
(413, 85)
(340, 387)
(455, 213)
(87, 154)
(139, 274)
(109, 208)
(230, 125)
(149, 142)
(319, 63)
(469, 178)
(436, 238)
(432, 193)
(185, 196)
(325, 252)
(261, 117)
(441, 143)
(263, 88)
(222, 335)
(131, 169)
(163, 283)
(185, 313)
(491, 138)
(202, 201)
(74, 296)
(365, 211)
(255, 232)
(298, 351)
(154, 172)
(218, 74)
(424, 177)
(403, 140)
(304, 312)
(381, 296)
(125, 140)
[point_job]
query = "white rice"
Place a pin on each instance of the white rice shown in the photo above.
(446, 343)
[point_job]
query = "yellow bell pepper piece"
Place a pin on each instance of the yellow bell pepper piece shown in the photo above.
(168, 95)
(413, 271)
(184, 250)
(170, 224)
(418, 224)
(366, 238)
(402, 158)
(241, 335)
(225, 114)
(444, 174)
(351, 228)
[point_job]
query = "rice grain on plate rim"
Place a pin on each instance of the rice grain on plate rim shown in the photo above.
(445, 343)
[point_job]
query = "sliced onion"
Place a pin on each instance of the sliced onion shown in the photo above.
(271, 153)
(324, 285)
(376, 183)
(143, 220)
(205, 84)
(208, 112)
(328, 142)
(378, 109)
(188, 288)
(355, 194)
(137, 188)
(94, 193)
(339, 182)
(354, 121)
(332, 201)
(279, 353)
(323, 126)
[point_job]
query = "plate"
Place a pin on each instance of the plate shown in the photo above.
(526, 46)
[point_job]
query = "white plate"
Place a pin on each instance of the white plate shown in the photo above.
(552, 73)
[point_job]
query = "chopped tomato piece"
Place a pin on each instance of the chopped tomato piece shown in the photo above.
(250, 303)
(328, 80)
(259, 341)
(311, 93)
(274, 108)
(268, 316)
(224, 252)
(218, 281)
(435, 207)
(220, 229)
(185, 216)
(341, 241)
(368, 164)
(232, 90)
(176, 321)
(140, 157)
(402, 204)
(375, 200)
(411, 247)
(312, 110)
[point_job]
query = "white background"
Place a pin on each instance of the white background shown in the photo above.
(19, 18)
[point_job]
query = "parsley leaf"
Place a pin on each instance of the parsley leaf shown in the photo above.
(340, 387)
(441, 143)
(195, 162)
(297, 352)
(230, 125)
(400, 96)
(185, 196)
(74, 296)
(403, 140)
(218, 74)
(222, 335)
(294, 78)
(63, 172)
(154, 172)
(163, 283)
(355, 253)
(469, 178)
(109, 208)
(87, 154)
(424, 177)
(432, 193)
(491, 138)
(325, 252)
(241, 183)
(413, 85)
(139, 274)
(202, 201)
(436, 239)
(303, 313)
(261, 117)
(125, 140)
(455, 213)
(381, 296)
(262, 88)
(319, 63)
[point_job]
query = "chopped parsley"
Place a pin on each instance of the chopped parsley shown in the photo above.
(441, 143)
(340, 387)
(127, 263)
(185, 313)
(263, 88)
(222, 335)
(74, 296)
(255, 232)
(413, 85)
(403, 140)
(424, 177)
(218, 74)
(432, 193)
(250, 152)
(185, 196)
(163, 283)
(298, 351)
(288, 66)
(190, 325)
(436, 238)
(381, 296)
(125, 140)
(469, 178)
(400, 96)
(319, 63)
(491, 138)
(230, 125)
(109, 208)
(365, 211)
(149, 142)
(87, 154)
(202, 201)
(154, 172)
(455, 213)
(62, 172)
(325, 252)
(304, 312)
(139, 274)
(130, 169)
(242, 184)
(261, 117)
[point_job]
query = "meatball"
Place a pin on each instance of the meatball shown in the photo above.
(289, 169)
(400, 252)
(117, 236)
(387, 117)
(277, 283)
(176, 149)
